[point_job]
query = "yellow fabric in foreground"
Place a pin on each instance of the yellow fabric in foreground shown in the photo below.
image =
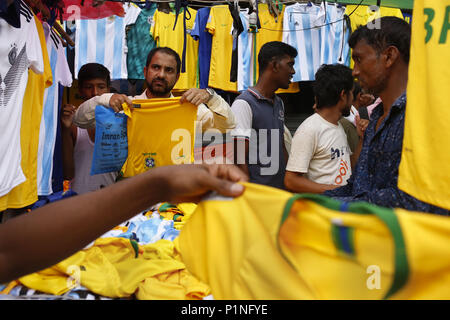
(25, 194)
(424, 170)
(232, 246)
(111, 269)
(160, 132)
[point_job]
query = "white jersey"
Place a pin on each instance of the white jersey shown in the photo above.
(82, 155)
(103, 41)
(49, 121)
(320, 150)
(245, 77)
(20, 49)
(303, 22)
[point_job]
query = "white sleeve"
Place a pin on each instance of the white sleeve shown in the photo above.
(302, 150)
(34, 49)
(243, 116)
(85, 115)
(63, 74)
(131, 13)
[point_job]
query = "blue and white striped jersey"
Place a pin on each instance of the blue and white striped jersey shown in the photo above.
(335, 35)
(320, 35)
(47, 133)
(245, 58)
(103, 41)
(303, 22)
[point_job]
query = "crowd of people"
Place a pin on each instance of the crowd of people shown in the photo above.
(349, 149)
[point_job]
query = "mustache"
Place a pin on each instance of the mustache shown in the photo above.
(160, 79)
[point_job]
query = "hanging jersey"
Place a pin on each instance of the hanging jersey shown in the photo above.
(220, 25)
(334, 46)
(362, 15)
(47, 133)
(82, 181)
(139, 43)
(271, 30)
(19, 49)
(424, 170)
(164, 35)
(245, 55)
(204, 39)
(160, 133)
(302, 21)
(26, 193)
(103, 41)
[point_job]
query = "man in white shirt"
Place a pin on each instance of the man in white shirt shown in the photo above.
(161, 74)
(320, 155)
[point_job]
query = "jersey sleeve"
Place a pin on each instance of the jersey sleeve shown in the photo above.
(34, 48)
(154, 30)
(243, 117)
(195, 33)
(211, 24)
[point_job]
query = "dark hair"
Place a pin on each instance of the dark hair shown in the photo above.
(274, 50)
(331, 79)
(393, 31)
(93, 71)
(165, 50)
(356, 89)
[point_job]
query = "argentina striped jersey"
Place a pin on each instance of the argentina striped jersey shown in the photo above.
(103, 41)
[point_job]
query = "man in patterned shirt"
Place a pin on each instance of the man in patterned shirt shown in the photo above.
(381, 65)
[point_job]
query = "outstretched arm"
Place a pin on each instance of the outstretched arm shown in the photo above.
(39, 239)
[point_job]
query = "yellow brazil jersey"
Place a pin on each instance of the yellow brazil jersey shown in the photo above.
(220, 25)
(361, 15)
(164, 35)
(271, 244)
(425, 165)
(25, 194)
(160, 132)
(271, 30)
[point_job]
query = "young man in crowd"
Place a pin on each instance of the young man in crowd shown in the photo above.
(259, 137)
(320, 155)
(161, 74)
(381, 58)
(77, 143)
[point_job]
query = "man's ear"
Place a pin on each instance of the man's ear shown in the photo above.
(391, 54)
(274, 65)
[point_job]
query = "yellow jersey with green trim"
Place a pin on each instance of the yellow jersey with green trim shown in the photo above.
(160, 132)
(424, 170)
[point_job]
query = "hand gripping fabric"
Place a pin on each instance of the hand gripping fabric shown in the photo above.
(271, 244)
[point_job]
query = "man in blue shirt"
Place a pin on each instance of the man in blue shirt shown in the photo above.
(381, 58)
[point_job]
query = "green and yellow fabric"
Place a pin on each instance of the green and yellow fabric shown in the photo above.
(424, 170)
(272, 244)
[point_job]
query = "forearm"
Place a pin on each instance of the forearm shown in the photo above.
(221, 116)
(295, 182)
(41, 238)
(85, 115)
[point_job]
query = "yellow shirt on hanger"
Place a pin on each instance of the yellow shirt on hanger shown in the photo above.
(25, 193)
(271, 30)
(424, 170)
(160, 132)
(164, 35)
(220, 25)
(361, 15)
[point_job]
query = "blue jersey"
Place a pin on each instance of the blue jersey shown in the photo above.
(245, 55)
(200, 34)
